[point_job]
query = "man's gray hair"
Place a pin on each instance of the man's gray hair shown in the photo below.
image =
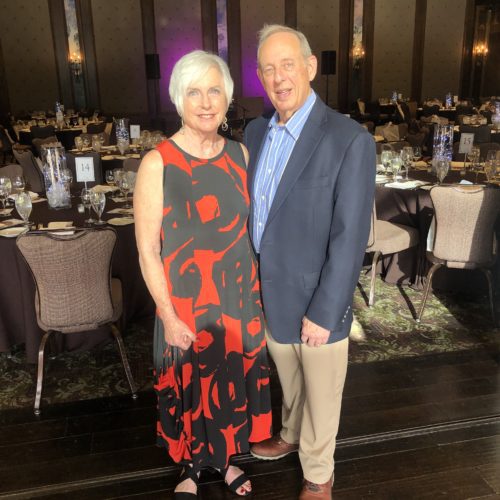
(270, 29)
(193, 67)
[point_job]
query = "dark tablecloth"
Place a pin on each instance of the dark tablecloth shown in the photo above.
(414, 208)
(17, 291)
(66, 137)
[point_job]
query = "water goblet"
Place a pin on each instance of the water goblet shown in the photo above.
(87, 203)
(18, 184)
(122, 145)
(396, 164)
(5, 189)
(96, 143)
(86, 142)
(110, 178)
(124, 185)
(23, 207)
(79, 143)
(490, 168)
(406, 156)
(385, 158)
(442, 168)
(98, 201)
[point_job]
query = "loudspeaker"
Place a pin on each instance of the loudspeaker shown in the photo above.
(152, 67)
(328, 62)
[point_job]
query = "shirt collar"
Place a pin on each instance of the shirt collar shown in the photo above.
(296, 123)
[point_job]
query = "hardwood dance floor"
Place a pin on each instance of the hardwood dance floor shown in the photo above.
(419, 428)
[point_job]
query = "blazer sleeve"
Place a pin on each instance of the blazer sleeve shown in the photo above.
(350, 225)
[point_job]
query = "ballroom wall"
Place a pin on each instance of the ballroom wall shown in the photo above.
(28, 55)
(393, 47)
(443, 47)
(120, 56)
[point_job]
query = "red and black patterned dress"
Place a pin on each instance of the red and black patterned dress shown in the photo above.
(213, 398)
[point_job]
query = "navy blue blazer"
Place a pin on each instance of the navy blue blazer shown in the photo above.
(315, 237)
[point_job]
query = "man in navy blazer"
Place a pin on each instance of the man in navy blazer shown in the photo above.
(311, 178)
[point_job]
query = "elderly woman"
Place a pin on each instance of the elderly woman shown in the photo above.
(191, 207)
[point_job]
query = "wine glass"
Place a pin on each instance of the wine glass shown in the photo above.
(474, 159)
(490, 167)
(86, 142)
(131, 177)
(442, 167)
(110, 178)
(18, 184)
(124, 185)
(122, 145)
(96, 143)
(385, 158)
(406, 156)
(79, 143)
(5, 189)
(396, 164)
(98, 201)
(417, 153)
(87, 203)
(23, 206)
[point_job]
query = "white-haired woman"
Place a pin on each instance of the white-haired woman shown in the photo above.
(191, 207)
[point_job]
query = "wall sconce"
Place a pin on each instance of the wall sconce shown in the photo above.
(358, 53)
(480, 50)
(75, 63)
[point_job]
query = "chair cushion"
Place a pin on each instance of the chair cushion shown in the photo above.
(392, 238)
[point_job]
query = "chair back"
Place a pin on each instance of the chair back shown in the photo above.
(42, 132)
(11, 171)
(465, 219)
(487, 146)
(38, 143)
(466, 110)
(5, 141)
(430, 110)
(371, 236)
(31, 170)
(131, 164)
(70, 164)
(73, 277)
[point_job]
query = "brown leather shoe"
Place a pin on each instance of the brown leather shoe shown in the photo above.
(313, 491)
(273, 448)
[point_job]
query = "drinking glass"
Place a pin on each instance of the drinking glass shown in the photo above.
(417, 153)
(18, 184)
(5, 189)
(96, 143)
(406, 156)
(98, 201)
(23, 206)
(110, 178)
(86, 142)
(442, 167)
(474, 159)
(123, 183)
(79, 143)
(122, 145)
(131, 177)
(87, 203)
(385, 158)
(396, 164)
(490, 168)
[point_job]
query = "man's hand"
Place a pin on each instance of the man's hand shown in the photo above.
(312, 334)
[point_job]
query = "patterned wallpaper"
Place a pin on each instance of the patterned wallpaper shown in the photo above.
(322, 31)
(254, 14)
(393, 47)
(178, 31)
(443, 47)
(28, 53)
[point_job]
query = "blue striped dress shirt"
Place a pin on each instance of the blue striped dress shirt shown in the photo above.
(278, 146)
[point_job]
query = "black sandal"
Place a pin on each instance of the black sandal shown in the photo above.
(187, 473)
(239, 481)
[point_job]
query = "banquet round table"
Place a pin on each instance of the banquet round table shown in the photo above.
(18, 324)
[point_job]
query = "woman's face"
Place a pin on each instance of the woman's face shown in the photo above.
(205, 102)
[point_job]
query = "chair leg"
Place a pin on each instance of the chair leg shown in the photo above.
(487, 273)
(39, 377)
(126, 365)
(371, 299)
(430, 274)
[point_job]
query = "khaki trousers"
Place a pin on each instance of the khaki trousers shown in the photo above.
(312, 380)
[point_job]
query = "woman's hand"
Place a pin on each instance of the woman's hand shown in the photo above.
(177, 333)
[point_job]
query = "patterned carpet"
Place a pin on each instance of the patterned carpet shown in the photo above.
(450, 323)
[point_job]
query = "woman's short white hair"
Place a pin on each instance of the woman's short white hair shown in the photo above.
(192, 67)
(270, 29)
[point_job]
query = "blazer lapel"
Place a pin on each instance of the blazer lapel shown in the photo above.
(309, 138)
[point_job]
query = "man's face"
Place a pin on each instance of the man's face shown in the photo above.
(285, 74)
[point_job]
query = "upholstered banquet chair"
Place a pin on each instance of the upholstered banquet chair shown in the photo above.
(38, 143)
(387, 238)
(31, 168)
(464, 236)
(74, 288)
(131, 164)
(42, 132)
(96, 128)
(11, 171)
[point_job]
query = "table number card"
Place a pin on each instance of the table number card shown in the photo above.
(84, 166)
(135, 131)
(466, 143)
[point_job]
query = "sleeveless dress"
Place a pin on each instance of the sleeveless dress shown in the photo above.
(213, 398)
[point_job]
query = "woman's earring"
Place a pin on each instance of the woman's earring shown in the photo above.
(224, 126)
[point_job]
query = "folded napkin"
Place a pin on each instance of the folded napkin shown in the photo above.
(134, 155)
(101, 188)
(120, 157)
(108, 148)
(10, 222)
(118, 200)
(378, 138)
(406, 184)
(33, 195)
(12, 232)
(380, 179)
(107, 157)
(120, 221)
(459, 165)
(6, 211)
(60, 224)
(125, 211)
(419, 164)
